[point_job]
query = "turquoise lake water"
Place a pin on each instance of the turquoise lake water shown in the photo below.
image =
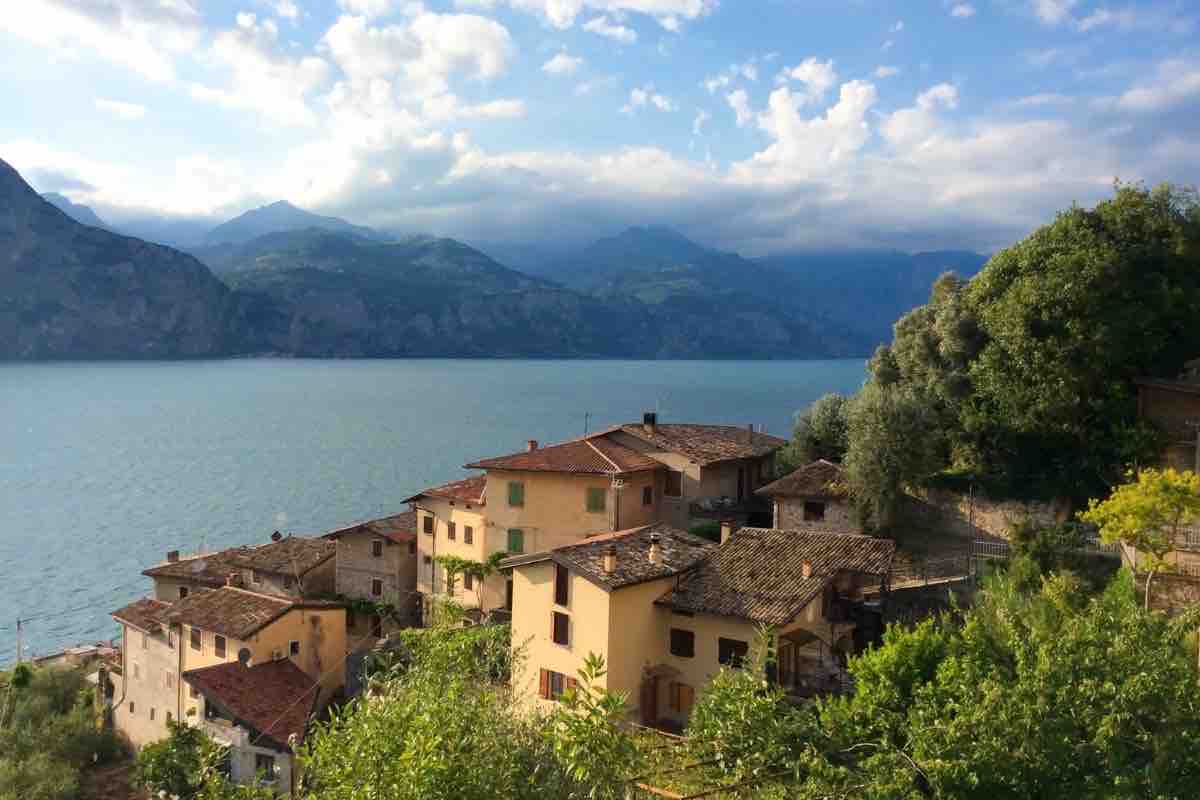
(104, 467)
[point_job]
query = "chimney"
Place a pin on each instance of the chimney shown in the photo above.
(172, 556)
(276, 536)
(728, 528)
(806, 569)
(531, 445)
(655, 549)
(750, 433)
(649, 421)
(233, 579)
(610, 559)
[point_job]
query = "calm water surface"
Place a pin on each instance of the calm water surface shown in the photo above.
(105, 467)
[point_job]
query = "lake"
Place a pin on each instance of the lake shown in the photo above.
(104, 467)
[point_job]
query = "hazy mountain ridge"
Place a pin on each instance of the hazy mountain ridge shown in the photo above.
(82, 214)
(281, 217)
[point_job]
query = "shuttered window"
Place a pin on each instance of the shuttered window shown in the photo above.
(516, 494)
(451, 531)
(377, 548)
(552, 685)
(468, 534)
(516, 540)
(427, 524)
(647, 495)
(561, 583)
(682, 698)
(219, 646)
(560, 628)
(596, 500)
(195, 638)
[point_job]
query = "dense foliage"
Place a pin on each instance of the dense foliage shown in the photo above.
(821, 431)
(48, 734)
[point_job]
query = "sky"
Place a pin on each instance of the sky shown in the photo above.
(754, 125)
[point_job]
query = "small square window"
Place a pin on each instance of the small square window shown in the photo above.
(428, 560)
(516, 494)
(674, 484)
(377, 587)
(294, 648)
(814, 511)
(219, 646)
(647, 495)
(468, 534)
(732, 651)
(560, 625)
(427, 524)
(183, 592)
(451, 531)
(265, 765)
(516, 540)
(683, 643)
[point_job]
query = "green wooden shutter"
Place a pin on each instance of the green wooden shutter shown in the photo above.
(516, 493)
(516, 540)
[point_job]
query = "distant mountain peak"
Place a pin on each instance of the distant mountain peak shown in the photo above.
(76, 211)
(279, 217)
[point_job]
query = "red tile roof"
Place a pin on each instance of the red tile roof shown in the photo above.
(233, 612)
(399, 528)
(706, 444)
(467, 490)
(145, 614)
(289, 555)
(594, 455)
(274, 698)
(821, 478)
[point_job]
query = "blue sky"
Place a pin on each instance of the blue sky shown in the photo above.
(753, 125)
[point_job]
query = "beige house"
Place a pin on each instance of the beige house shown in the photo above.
(289, 566)
(666, 610)
(377, 561)
(161, 641)
(450, 520)
(260, 712)
(814, 497)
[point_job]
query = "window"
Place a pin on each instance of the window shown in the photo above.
(552, 685)
(682, 697)
(674, 484)
(516, 540)
(428, 561)
(168, 717)
(377, 587)
(219, 646)
(377, 548)
(468, 534)
(508, 594)
(560, 627)
(132, 707)
(195, 638)
(516, 494)
(451, 531)
(264, 765)
(427, 524)
(683, 643)
(151, 712)
(647, 495)
(731, 651)
(412, 548)
(145, 641)
(468, 581)
(813, 511)
(293, 648)
(561, 583)
(183, 592)
(595, 500)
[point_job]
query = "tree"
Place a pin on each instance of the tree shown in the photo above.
(820, 432)
(174, 765)
(1148, 514)
(479, 571)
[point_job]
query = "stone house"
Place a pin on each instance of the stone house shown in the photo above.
(814, 497)
(667, 610)
(1173, 406)
(289, 566)
(161, 641)
(377, 561)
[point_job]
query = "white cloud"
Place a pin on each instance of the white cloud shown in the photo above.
(702, 118)
(145, 37)
(739, 101)
(747, 70)
(1124, 19)
(121, 110)
(911, 127)
(899, 26)
(817, 76)
(593, 85)
(1044, 99)
(562, 14)
(446, 107)
(1053, 12)
(286, 9)
(366, 8)
(563, 64)
(1175, 82)
(644, 97)
(886, 72)
(604, 27)
(962, 11)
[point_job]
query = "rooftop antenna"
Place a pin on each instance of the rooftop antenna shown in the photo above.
(587, 415)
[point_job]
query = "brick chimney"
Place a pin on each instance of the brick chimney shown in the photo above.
(806, 569)
(531, 445)
(728, 528)
(649, 421)
(655, 549)
(172, 556)
(610, 559)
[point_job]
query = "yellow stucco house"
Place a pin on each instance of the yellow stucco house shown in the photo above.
(666, 610)
(614, 479)
(162, 642)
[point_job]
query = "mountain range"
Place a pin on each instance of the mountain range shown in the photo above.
(281, 280)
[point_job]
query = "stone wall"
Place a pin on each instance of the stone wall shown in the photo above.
(789, 514)
(976, 517)
(1171, 593)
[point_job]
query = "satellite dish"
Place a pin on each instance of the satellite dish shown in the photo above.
(244, 656)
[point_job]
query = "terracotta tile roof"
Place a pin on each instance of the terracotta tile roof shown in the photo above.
(274, 698)
(399, 528)
(758, 574)
(1185, 386)
(707, 444)
(819, 479)
(233, 612)
(285, 557)
(468, 490)
(595, 454)
(680, 551)
(145, 614)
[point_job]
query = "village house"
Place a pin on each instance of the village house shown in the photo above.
(162, 641)
(260, 712)
(289, 566)
(614, 479)
(814, 497)
(377, 561)
(667, 609)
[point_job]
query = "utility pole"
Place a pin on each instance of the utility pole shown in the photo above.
(18, 640)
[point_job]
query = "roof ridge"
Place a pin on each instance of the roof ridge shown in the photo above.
(243, 590)
(601, 453)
